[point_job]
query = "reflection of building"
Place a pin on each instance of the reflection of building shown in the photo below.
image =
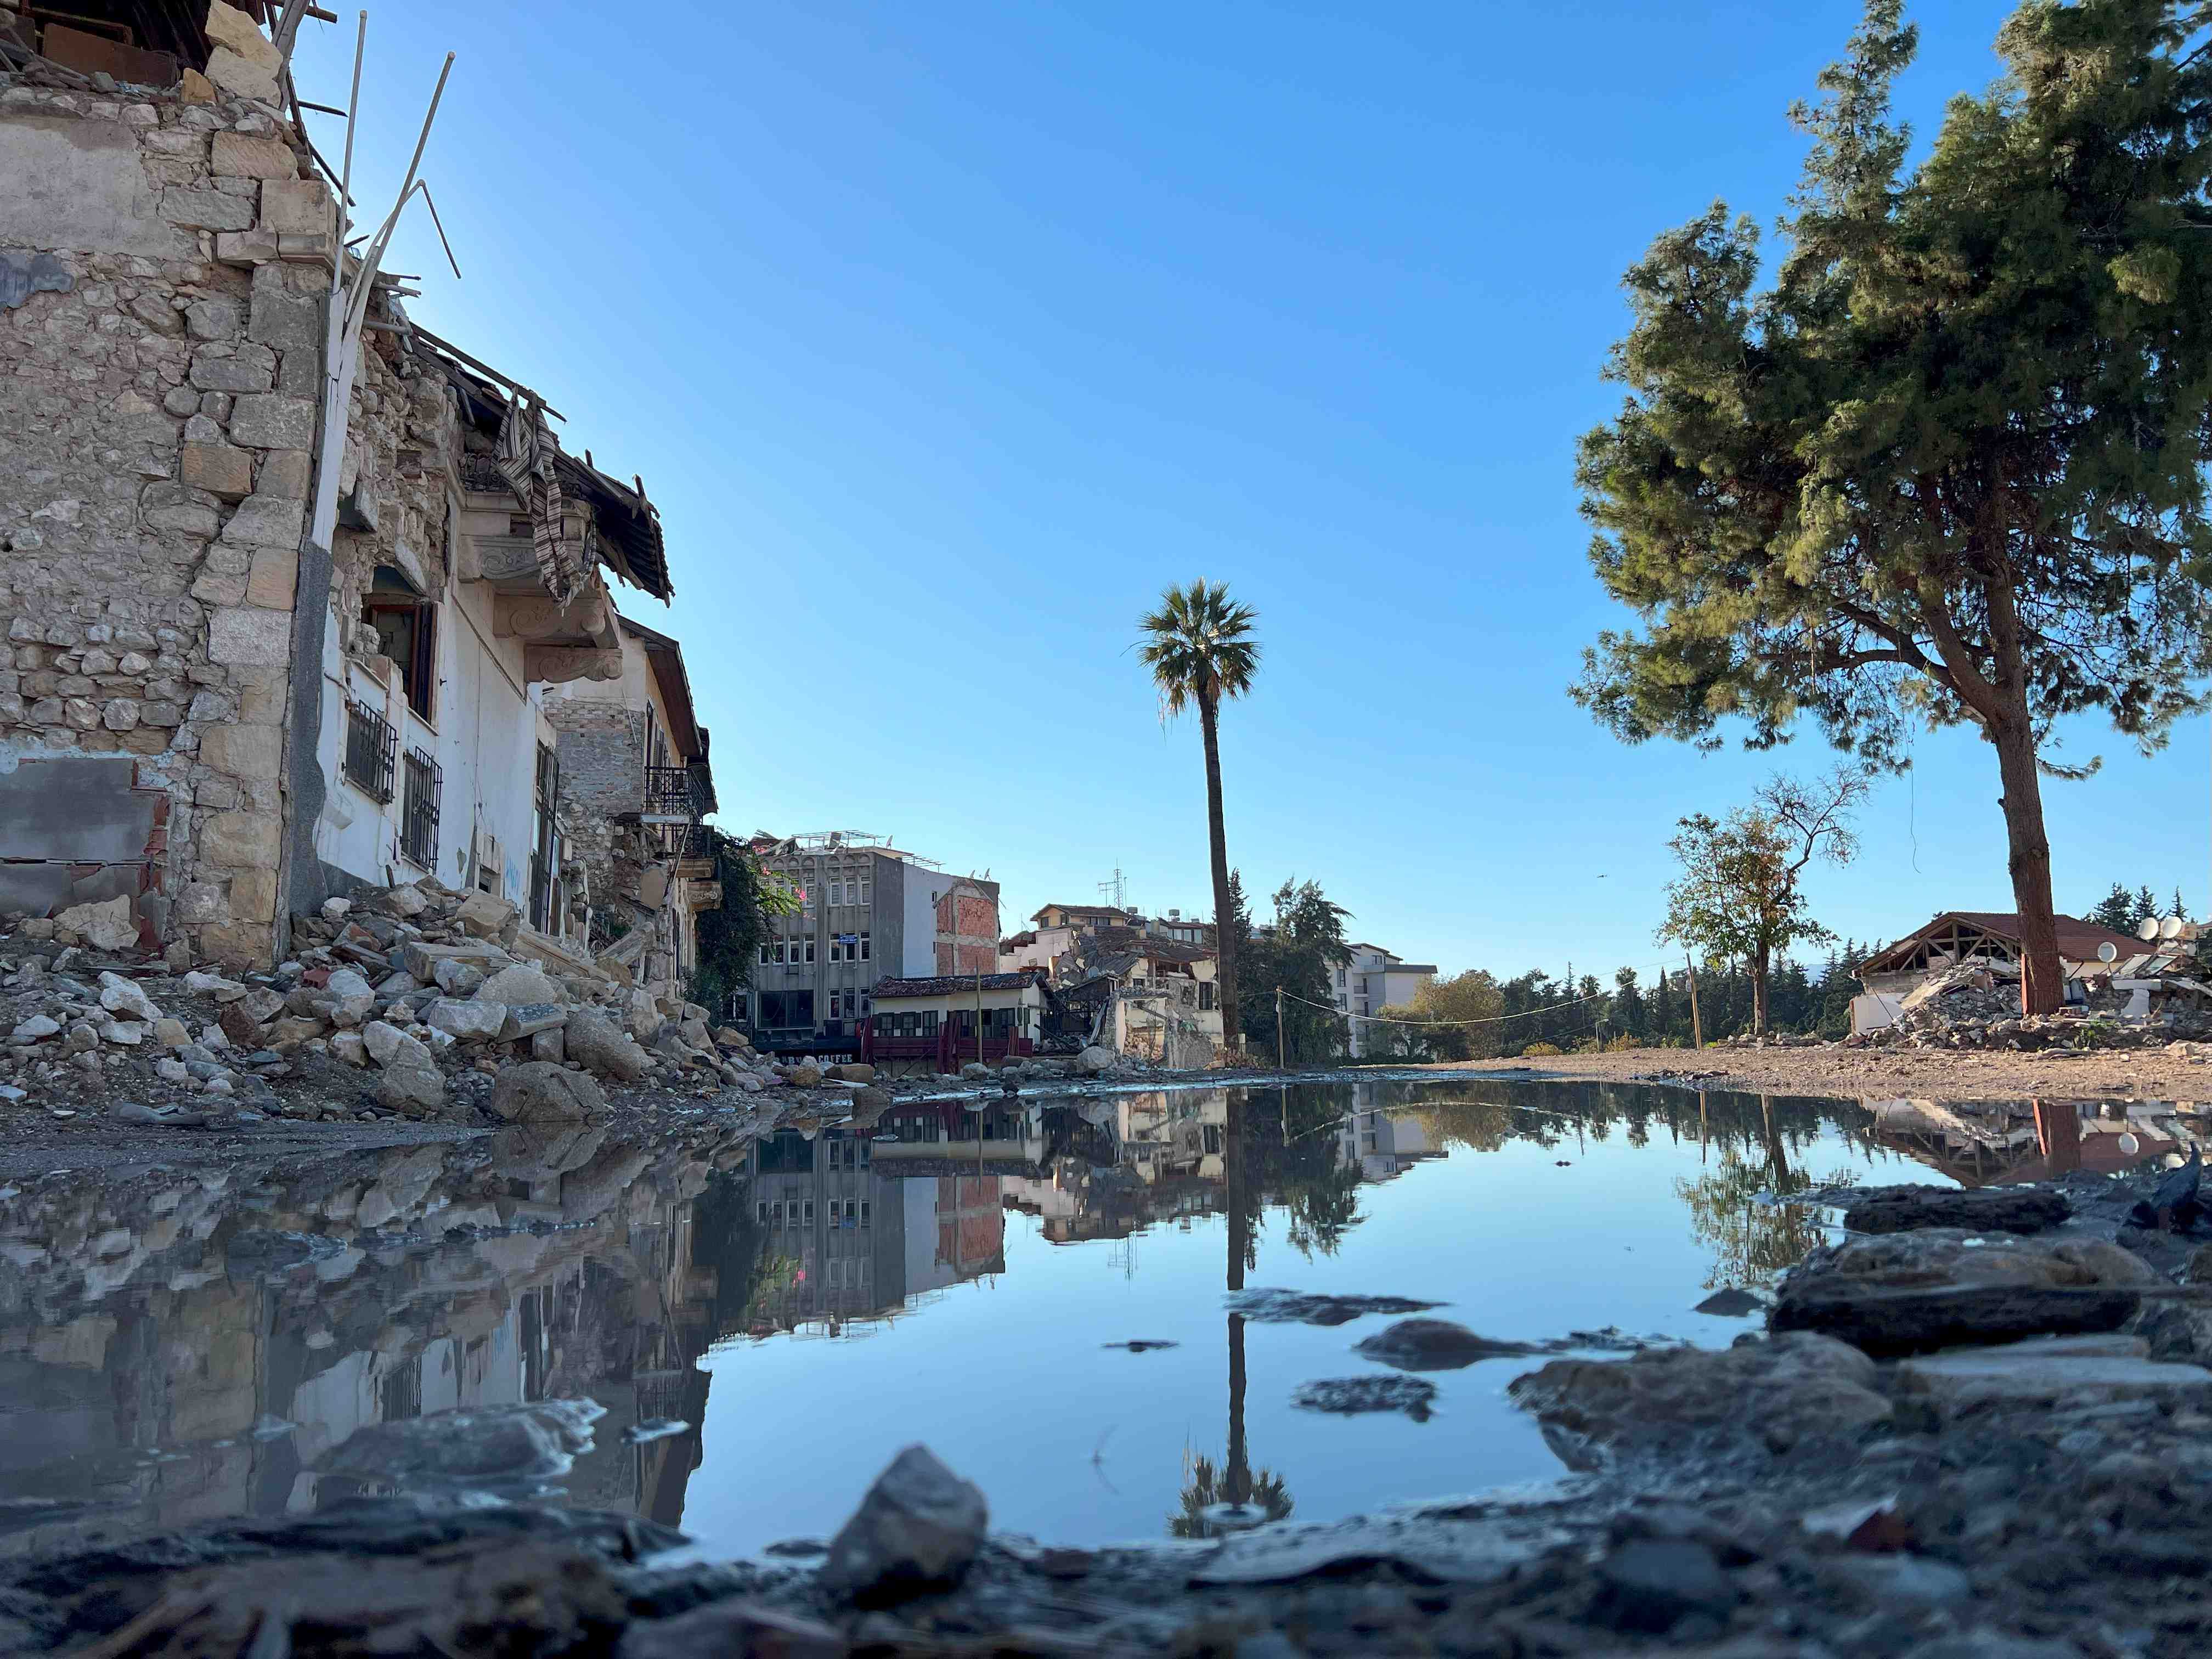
(1994, 1143)
(850, 1236)
(243, 1341)
(1383, 1144)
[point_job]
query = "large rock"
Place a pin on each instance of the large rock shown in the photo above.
(853, 1072)
(121, 996)
(469, 1021)
(355, 995)
(421, 958)
(1680, 1402)
(2076, 1370)
(388, 1045)
(1915, 1292)
(107, 925)
(1095, 1060)
(528, 1019)
(1982, 1209)
(484, 916)
(240, 1025)
(1434, 1345)
(918, 1529)
(519, 985)
(538, 1091)
(596, 1041)
(411, 1090)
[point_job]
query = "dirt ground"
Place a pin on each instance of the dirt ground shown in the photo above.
(2181, 1071)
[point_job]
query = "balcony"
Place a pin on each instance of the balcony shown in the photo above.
(676, 794)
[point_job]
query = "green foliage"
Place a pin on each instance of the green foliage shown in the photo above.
(1301, 954)
(1472, 999)
(2125, 912)
(1739, 897)
(730, 935)
(1948, 467)
(1541, 1051)
(1199, 647)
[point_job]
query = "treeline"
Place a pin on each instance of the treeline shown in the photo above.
(1475, 1016)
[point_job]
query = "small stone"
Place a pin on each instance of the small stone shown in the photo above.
(171, 1033)
(37, 1029)
(916, 1530)
(124, 1033)
(121, 996)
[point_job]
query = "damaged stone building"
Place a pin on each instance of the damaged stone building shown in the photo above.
(205, 715)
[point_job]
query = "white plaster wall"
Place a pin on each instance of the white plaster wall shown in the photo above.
(919, 953)
(485, 737)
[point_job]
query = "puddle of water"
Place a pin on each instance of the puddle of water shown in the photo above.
(205, 1348)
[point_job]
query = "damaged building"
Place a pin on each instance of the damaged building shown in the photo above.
(203, 714)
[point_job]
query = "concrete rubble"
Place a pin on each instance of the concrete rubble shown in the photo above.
(411, 1003)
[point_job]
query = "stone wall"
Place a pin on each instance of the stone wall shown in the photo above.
(158, 382)
(602, 750)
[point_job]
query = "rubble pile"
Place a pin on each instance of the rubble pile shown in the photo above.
(414, 1002)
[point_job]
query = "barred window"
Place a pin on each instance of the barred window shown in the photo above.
(371, 748)
(418, 812)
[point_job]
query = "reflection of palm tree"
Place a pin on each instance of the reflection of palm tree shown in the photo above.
(1202, 1489)
(1206, 1485)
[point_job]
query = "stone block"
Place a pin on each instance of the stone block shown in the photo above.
(207, 209)
(234, 366)
(271, 421)
(220, 469)
(166, 506)
(285, 475)
(227, 26)
(274, 579)
(484, 916)
(297, 207)
(240, 840)
(121, 715)
(288, 321)
(212, 320)
(237, 944)
(196, 89)
(235, 156)
(249, 635)
(253, 894)
(249, 752)
(267, 521)
(245, 247)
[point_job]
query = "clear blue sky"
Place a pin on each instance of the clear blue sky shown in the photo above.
(945, 336)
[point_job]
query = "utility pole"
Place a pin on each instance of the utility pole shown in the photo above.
(1697, 1023)
(1281, 1065)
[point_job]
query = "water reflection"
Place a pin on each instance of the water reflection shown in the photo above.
(174, 1350)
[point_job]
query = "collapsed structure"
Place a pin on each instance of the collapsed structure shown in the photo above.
(204, 712)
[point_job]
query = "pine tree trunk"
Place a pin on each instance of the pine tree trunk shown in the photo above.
(1759, 969)
(1224, 916)
(2042, 988)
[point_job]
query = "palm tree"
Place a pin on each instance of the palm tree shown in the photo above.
(1199, 648)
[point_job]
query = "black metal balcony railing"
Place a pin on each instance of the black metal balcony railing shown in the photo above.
(372, 749)
(674, 791)
(684, 842)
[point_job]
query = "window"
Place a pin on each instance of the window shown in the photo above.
(865, 885)
(418, 811)
(864, 1213)
(810, 1212)
(864, 947)
(370, 751)
(763, 1212)
(405, 624)
(810, 952)
(836, 892)
(763, 953)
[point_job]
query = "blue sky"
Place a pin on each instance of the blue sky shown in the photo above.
(944, 336)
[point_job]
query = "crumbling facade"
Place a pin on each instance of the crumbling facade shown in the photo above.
(203, 711)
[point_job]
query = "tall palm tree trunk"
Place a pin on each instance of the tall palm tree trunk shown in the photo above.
(1209, 713)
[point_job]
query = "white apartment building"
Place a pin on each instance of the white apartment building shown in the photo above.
(1372, 980)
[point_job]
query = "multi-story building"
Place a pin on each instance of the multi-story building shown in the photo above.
(1371, 980)
(867, 912)
(266, 641)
